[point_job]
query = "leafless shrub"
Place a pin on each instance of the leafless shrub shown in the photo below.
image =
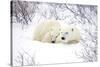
(20, 59)
(25, 59)
(89, 43)
(22, 11)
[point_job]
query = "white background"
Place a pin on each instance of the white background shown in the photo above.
(5, 33)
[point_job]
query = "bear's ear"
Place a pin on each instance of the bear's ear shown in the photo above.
(72, 29)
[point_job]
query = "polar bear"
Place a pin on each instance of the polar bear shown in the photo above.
(69, 34)
(47, 31)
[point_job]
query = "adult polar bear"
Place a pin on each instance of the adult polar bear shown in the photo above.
(53, 32)
(47, 31)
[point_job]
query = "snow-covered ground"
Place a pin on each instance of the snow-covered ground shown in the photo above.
(29, 52)
(42, 53)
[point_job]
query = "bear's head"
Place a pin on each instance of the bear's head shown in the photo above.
(51, 35)
(68, 34)
(55, 32)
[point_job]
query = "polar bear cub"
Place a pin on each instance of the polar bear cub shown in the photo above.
(47, 31)
(68, 34)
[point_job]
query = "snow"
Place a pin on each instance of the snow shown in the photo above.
(26, 51)
(44, 53)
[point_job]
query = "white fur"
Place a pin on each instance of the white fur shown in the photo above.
(51, 30)
(70, 33)
(47, 31)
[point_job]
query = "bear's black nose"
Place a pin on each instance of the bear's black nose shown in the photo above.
(62, 38)
(53, 41)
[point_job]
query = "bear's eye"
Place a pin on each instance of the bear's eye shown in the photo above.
(72, 29)
(66, 32)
